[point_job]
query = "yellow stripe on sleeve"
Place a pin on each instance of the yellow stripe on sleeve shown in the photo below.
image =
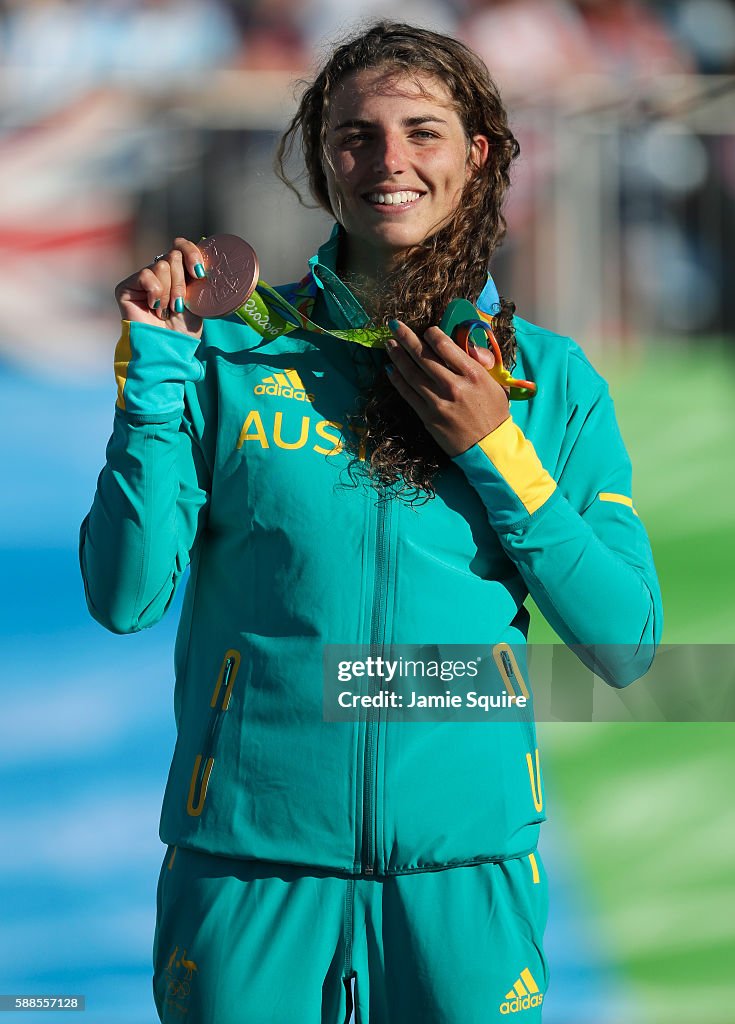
(534, 869)
(123, 355)
(619, 499)
(515, 458)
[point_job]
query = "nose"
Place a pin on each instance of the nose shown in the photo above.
(389, 156)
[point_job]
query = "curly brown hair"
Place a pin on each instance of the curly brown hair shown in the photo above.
(451, 263)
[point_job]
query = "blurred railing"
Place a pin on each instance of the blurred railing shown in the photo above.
(619, 218)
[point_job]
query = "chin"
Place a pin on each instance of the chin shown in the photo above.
(397, 241)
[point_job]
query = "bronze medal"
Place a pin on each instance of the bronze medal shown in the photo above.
(232, 275)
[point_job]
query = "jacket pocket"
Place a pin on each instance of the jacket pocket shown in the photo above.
(515, 684)
(204, 762)
(512, 676)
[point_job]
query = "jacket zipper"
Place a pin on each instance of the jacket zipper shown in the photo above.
(372, 723)
(507, 665)
(216, 725)
(522, 689)
(519, 689)
(205, 762)
(348, 972)
(534, 773)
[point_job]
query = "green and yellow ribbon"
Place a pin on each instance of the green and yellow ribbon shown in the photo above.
(266, 311)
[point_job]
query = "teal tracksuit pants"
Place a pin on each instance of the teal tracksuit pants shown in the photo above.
(247, 942)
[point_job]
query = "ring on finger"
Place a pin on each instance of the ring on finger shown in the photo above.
(160, 256)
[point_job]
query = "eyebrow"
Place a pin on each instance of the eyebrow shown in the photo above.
(407, 122)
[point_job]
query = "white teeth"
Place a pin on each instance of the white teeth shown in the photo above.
(393, 198)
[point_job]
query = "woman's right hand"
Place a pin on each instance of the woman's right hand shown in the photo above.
(155, 295)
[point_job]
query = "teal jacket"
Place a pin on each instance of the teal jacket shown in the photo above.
(227, 455)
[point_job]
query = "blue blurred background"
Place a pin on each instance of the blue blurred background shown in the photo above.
(126, 122)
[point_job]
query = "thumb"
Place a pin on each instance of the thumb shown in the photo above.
(483, 356)
(486, 358)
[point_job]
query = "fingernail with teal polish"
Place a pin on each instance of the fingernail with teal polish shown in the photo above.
(394, 325)
(179, 305)
(199, 270)
(156, 304)
(389, 370)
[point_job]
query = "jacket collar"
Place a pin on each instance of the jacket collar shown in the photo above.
(342, 308)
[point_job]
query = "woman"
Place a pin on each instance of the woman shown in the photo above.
(327, 492)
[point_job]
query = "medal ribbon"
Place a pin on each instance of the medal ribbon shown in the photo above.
(266, 312)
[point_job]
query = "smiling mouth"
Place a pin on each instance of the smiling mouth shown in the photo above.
(385, 201)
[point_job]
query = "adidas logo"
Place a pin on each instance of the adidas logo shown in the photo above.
(524, 994)
(286, 385)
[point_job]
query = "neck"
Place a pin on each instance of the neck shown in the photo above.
(360, 263)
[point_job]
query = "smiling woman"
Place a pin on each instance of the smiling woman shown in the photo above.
(372, 870)
(404, 110)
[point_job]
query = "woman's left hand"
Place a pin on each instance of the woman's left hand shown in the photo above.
(456, 398)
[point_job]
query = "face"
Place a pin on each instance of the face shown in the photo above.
(396, 161)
